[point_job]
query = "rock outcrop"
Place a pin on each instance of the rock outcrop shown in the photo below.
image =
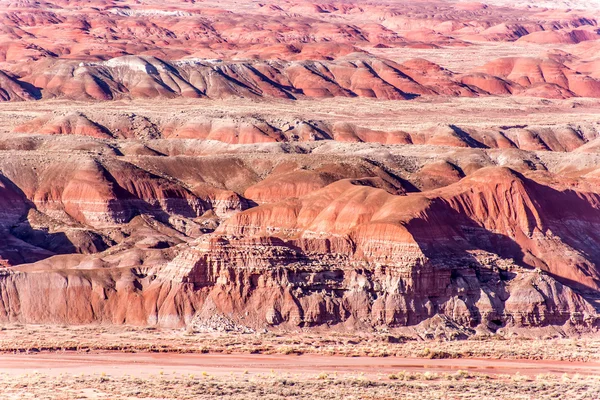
(486, 252)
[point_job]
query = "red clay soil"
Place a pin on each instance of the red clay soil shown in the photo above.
(144, 364)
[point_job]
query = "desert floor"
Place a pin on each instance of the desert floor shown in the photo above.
(95, 362)
(165, 376)
(149, 375)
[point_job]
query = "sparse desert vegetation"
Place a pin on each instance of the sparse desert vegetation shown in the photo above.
(404, 385)
(22, 338)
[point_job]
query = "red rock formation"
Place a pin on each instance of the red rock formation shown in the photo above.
(149, 77)
(72, 124)
(13, 90)
(489, 83)
(544, 78)
(573, 37)
(140, 190)
(247, 130)
(382, 262)
(223, 130)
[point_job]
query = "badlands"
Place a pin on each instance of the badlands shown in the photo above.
(300, 177)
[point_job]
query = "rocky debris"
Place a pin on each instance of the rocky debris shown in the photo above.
(208, 320)
(217, 323)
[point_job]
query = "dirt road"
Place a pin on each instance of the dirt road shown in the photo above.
(145, 364)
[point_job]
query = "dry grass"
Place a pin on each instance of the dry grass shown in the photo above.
(43, 338)
(324, 386)
(239, 383)
(375, 114)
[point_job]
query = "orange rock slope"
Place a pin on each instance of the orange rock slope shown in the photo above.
(286, 165)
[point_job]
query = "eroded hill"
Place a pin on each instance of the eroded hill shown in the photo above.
(295, 165)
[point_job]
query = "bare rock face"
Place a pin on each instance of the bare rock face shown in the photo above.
(302, 240)
(382, 267)
(478, 253)
(543, 78)
(72, 124)
(573, 37)
(11, 89)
